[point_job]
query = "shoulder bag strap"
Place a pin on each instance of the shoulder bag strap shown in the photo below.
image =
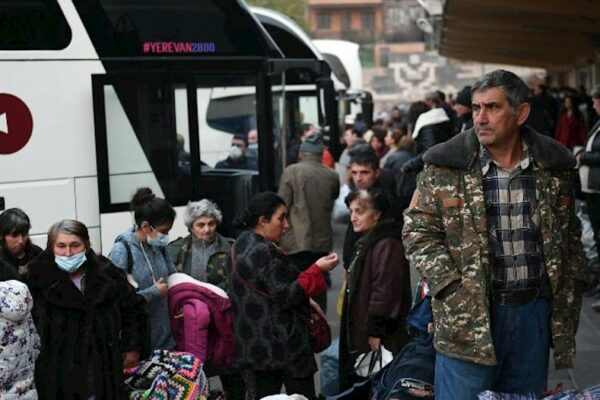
(261, 292)
(241, 278)
(129, 255)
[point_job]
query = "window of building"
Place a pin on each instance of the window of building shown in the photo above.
(33, 25)
(323, 21)
(368, 20)
(346, 20)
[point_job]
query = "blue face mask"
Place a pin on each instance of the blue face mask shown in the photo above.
(72, 263)
(161, 240)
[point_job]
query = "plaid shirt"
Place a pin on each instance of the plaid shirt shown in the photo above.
(515, 237)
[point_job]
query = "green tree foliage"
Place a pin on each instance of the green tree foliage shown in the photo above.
(294, 9)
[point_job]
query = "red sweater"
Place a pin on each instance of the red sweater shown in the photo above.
(571, 130)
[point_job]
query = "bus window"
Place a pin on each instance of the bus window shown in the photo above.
(309, 109)
(232, 113)
(33, 25)
(152, 130)
(230, 110)
(149, 144)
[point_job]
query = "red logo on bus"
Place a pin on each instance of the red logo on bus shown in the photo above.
(16, 124)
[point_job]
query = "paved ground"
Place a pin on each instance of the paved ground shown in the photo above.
(587, 365)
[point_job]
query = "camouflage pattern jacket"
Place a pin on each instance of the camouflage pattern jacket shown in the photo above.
(218, 266)
(446, 237)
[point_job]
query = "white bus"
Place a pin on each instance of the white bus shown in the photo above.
(95, 96)
(342, 57)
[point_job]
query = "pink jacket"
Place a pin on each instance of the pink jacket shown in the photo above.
(200, 316)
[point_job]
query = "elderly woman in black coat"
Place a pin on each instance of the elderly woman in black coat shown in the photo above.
(91, 322)
(272, 345)
(378, 293)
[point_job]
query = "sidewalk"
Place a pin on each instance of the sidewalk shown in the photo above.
(587, 364)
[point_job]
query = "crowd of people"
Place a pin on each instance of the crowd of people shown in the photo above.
(468, 192)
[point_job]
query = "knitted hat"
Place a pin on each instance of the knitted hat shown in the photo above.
(312, 144)
(464, 97)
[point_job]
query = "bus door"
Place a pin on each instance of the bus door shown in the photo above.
(301, 92)
(167, 132)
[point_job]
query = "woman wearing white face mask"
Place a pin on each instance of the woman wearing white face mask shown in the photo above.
(141, 252)
(91, 322)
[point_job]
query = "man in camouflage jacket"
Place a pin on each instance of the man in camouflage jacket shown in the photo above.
(448, 238)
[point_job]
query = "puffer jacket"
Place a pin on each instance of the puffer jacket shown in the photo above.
(201, 319)
(446, 238)
(432, 127)
(19, 342)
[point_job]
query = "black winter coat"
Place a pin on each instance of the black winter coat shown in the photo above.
(31, 251)
(247, 163)
(268, 335)
(8, 272)
(592, 159)
(83, 335)
(406, 182)
(429, 136)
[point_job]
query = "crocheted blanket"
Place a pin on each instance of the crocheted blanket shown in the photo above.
(167, 376)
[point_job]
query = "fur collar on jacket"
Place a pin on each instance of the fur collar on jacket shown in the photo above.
(44, 275)
(462, 151)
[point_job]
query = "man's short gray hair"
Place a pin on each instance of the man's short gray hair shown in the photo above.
(514, 88)
(202, 208)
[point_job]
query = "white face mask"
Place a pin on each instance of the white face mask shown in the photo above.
(235, 153)
(72, 263)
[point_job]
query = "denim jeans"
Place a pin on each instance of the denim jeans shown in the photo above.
(521, 339)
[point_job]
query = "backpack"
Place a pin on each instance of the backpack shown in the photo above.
(410, 375)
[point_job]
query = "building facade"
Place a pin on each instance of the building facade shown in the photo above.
(359, 21)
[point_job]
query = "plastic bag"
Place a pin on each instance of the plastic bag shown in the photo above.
(372, 362)
(330, 365)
